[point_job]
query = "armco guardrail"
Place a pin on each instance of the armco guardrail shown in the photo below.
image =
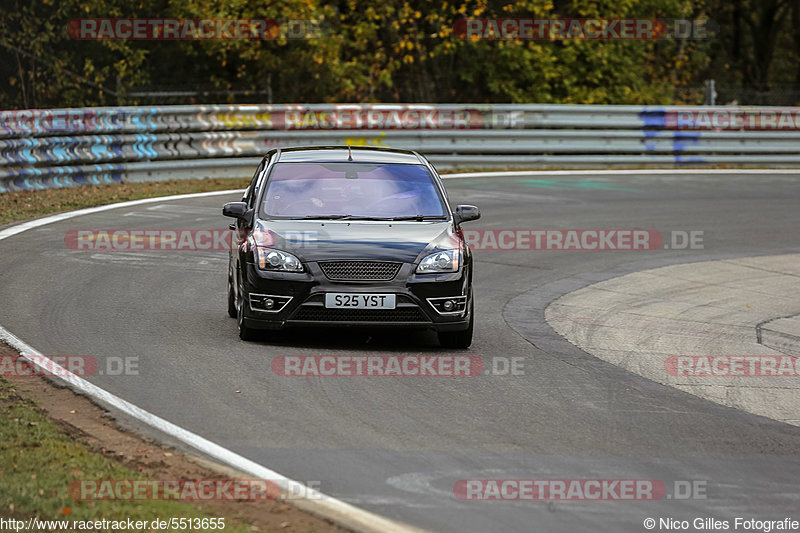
(63, 147)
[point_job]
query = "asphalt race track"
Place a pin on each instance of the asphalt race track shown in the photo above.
(396, 446)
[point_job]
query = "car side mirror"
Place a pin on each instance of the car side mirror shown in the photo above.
(234, 209)
(465, 213)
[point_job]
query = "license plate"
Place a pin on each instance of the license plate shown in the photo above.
(349, 300)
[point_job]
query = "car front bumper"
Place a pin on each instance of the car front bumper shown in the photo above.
(298, 299)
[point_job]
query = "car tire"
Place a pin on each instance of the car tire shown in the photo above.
(245, 333)
(458, 339)
(232, 311)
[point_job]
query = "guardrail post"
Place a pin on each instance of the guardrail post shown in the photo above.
(711, 93)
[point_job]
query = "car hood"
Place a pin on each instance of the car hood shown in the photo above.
(335, 239)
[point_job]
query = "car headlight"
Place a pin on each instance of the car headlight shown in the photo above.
(276, 260)
(446, 261)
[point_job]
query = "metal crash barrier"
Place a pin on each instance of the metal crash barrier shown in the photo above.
(65, 147)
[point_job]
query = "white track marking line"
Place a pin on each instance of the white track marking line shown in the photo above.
(25, 226)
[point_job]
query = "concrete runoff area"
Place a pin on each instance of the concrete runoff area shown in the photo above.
(783, 334)
(727, 331)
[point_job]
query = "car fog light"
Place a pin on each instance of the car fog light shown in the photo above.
(448, 305)
(269, 303)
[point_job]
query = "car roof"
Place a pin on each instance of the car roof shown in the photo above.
(360, 154)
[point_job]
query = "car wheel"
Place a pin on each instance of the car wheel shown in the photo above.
(459, 339)
(245, 333)
(232, 311)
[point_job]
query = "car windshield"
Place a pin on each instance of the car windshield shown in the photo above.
(352, 190)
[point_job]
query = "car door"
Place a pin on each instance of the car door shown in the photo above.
(239, 229)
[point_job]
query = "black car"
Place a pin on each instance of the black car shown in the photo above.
(350, 237)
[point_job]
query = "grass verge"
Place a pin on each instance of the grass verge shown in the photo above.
(16, 206)
(38, 461)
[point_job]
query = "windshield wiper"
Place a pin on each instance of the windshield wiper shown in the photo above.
(325, 217)
(338, 217)
(420, 217)
(359, 217)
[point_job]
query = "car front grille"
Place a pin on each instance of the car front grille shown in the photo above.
(322, 314)
(360, 270)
